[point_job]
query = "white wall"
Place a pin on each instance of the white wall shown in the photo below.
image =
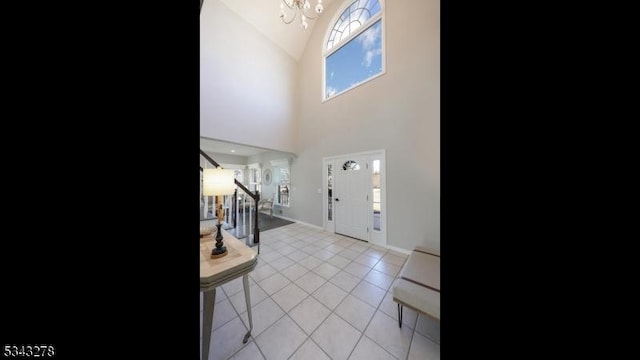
(398, 112)
(247, 84)
(228, 158)
(249, 95)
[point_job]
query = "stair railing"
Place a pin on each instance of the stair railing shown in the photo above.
(236, 206)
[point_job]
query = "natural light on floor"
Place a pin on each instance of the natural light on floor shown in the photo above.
(318, 295)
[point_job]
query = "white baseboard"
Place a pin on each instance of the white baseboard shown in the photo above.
(390, 247)
(400, 250)
(299, 222)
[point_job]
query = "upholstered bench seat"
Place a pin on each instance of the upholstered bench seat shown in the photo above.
(418, 284)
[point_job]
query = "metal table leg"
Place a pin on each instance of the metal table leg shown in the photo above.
(247, 297)
(209, 302)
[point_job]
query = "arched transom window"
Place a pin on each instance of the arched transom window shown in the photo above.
(354, 51)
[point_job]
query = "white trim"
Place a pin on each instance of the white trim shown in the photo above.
(329, 226)
(380, 236)
(281, 162)
(361, 153)
(400, 250)
(311, 225)
(326, 53)
(297, 221)
(384, 71)
(372, 20)
(388, 247)
(335, 17)
(233, 166)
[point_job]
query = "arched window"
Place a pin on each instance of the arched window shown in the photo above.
(353, 51)
(350, 165)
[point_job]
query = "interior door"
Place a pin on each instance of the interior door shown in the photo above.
(351, 189)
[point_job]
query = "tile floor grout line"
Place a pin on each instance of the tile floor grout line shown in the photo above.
(245, 326)
(362, 333)
(240, 318)
(325, 319)
(413, 333)
(285, 312)
(369, 323)
(304, 236)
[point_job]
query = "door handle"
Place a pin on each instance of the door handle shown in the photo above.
(337, 199)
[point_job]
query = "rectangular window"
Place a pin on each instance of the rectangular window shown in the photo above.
(329, 192)
(354, 63)
(284, 188)
(376, 194)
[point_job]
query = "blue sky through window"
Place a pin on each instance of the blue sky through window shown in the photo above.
(355, 62)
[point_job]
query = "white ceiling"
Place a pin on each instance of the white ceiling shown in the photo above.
(223, 147)
(264, 15)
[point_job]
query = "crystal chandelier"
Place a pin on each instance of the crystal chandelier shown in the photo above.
(299, 6)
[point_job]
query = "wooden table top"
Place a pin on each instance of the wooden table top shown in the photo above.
(239, 259)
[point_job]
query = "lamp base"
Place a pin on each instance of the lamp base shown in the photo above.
(220, 250)
(215, 254)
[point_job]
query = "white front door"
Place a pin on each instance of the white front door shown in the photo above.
(350, 193)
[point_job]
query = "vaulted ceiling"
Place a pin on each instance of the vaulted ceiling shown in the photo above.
(264, 16)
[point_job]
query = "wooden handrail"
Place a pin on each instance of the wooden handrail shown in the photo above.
(209, 159)
(255, 196)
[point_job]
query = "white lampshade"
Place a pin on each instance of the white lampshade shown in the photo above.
(217, 182)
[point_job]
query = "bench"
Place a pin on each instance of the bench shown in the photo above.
(418, 284)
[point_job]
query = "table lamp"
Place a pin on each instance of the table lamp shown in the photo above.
(218, 182)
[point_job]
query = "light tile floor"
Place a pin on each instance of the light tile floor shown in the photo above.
(318, 296)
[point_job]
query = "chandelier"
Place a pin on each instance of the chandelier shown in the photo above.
(299, 6)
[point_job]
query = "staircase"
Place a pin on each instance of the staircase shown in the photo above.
(240, 210)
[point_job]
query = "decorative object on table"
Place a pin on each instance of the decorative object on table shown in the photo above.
(218, 182)
(267, 176)
(300, 6)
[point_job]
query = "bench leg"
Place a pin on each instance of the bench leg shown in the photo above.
(399, 315)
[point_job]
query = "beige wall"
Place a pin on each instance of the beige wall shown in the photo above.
(249, 95)
(247, 84)
(398, 112)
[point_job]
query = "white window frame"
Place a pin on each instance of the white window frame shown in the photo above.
(326, 53)
(277, 165)
(254, 185)
(377, 237)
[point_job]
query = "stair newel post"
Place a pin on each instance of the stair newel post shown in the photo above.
(234, 205)
(256, 231)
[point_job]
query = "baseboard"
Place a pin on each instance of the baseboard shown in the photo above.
(298, 222)
(398, 249)
(390, 247)
(313, 226)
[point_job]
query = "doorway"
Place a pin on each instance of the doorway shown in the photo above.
(354, 196)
